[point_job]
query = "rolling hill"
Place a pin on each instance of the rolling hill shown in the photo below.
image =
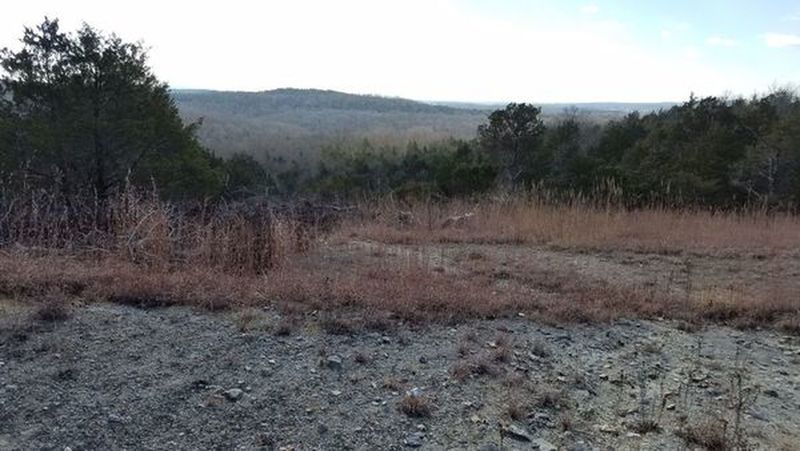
(295, 124)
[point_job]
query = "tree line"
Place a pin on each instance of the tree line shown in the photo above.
(82, 113)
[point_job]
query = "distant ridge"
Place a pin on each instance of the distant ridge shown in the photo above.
(265, 102)
(296, 124)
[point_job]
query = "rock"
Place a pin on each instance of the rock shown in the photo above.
(490, 447)
(233, 394)
(115, 419)
(336, 392)
(414, 439)
(606, 429)
(515, 432)
(771, 393)
(334, 362)
(543, 445)
(670, 406)
(423, 359)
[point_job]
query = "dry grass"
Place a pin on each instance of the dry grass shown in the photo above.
(579, 224)
(710, 433)
(152, 254)
(52, 308)
(416, 406)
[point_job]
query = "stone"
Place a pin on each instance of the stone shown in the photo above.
(113, 418)
(607, 429)
(414, 439)
(515, 432)
(233, 394)
(543, 445)
(334, 362)
(771, 393)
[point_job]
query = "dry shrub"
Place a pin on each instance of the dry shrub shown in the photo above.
(710, 433)
(548, 397)
(52, 308)
(285, 327)
(481, 365)
(515, 411)
(416, 406)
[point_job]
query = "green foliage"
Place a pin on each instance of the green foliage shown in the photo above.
(89, 115)
(449, 169)
(513, 136)
(246, 177)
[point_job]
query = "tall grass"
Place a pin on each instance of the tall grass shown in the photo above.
(579, 223)
(140, 228)
(138, 249)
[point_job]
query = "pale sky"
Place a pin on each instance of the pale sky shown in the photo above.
(463, 50)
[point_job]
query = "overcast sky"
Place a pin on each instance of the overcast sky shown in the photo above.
(467, 50)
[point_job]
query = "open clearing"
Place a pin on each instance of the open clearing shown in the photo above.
(297, 375)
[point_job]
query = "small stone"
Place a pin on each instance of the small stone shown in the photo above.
(603, 376)
(336, 392)
(423, 359)
(115, 419)
(606, 429)
(670, 406)
(233, 394)
(334, 362)
(421, 427)
(414, 439)
(543, 445)
(517, 433)
(633, 435)
(271, 361)
(771, 393)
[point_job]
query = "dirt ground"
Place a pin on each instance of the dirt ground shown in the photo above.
(120, 377)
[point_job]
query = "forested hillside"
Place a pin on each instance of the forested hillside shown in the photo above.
(294, 124)
(285, 125)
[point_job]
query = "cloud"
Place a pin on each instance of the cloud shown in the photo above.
(721, 41)
(781, 40)
(590, 9)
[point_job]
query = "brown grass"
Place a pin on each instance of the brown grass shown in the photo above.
(52, 308)
(710, 433)
(152, 254)
(580, 224)
(415, 406)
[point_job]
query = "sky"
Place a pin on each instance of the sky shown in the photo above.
(453, 50)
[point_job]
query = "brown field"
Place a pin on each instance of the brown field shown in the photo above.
(507, 256)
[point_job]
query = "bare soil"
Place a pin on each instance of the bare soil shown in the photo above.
(111, 376)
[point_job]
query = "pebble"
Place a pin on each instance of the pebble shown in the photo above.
(334, 362)
(543, 445)
(233, 394)
(517, 433)
(414, 439)
(771, 393)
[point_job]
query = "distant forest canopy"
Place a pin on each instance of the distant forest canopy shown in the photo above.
(82, 114)
(284, 126)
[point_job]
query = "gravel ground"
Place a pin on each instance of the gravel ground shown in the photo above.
(117, 377)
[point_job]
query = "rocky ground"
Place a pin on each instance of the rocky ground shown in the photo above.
(117, 377)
